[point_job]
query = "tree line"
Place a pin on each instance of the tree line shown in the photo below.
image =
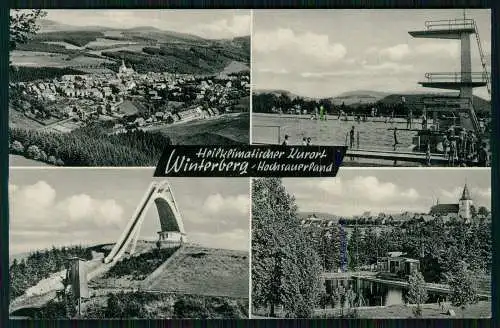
(388, 106)
(89, 146)
(143, 305)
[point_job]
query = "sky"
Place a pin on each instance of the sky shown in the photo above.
(86, 206)
(211, 24)
(323, 53)
(355, 190)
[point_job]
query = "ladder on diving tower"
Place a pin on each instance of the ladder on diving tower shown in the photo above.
(483, 59)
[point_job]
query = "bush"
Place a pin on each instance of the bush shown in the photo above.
(17, 147)
(190, 309)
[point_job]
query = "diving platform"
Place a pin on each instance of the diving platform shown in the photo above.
(446, 29)
(455, 80)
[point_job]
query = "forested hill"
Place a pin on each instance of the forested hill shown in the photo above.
(359, 102)
(146, 49)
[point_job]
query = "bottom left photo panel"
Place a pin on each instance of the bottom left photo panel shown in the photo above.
(117, 243)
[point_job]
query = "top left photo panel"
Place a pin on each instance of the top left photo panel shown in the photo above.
(114, 87)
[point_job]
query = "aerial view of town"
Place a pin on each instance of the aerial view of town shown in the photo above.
(373, 244)
(108, 95)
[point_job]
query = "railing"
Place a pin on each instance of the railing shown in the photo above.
(450, 24)
(478, 77)
(464, 104)
(449, 101)
(483, 60)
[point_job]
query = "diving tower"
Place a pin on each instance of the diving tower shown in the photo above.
(172, 227)
(464, 81)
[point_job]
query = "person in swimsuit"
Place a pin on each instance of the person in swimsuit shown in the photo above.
(395, 138)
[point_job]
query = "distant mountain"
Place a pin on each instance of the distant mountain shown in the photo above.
(278, 93)
(47, 25)
(358, 97)
(415, 100)
(145, 48)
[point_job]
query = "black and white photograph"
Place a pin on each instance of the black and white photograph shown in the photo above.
(114, 87)
(397, 87)
(117, 244)
(373, 244)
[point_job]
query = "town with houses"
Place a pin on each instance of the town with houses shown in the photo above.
(133, 100)
(463, 209)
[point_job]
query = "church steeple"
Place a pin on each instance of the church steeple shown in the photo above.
(465, 193)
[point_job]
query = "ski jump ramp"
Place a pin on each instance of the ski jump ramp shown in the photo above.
(172, 227)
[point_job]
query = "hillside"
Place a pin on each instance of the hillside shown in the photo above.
(204, 271)
(146, 49)
(481, 105)
(358, 97)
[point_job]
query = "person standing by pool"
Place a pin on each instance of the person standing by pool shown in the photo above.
(483, 156)
(428, 154)
(304, 141)
(285, 142)
(395, 138)
(308, 141)
(446, 147)
(453, 151)
(351, 139)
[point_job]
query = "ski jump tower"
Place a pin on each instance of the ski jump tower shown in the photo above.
(463, 81)
(172, 227)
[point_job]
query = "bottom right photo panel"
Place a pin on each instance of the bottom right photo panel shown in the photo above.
(373, 243)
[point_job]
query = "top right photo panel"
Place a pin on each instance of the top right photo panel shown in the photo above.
(397, 87)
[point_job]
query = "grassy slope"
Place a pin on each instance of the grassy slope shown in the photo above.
(206, 271)
(225, 130)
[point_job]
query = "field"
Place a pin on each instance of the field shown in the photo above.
(48, 59)
(18, 160)
(223, 130)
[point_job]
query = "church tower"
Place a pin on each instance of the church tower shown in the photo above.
(464, 204)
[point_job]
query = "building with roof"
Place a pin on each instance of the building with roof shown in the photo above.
(461, 209)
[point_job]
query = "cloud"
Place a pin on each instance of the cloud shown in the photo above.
(36, 207)
(273, 70)
(389, 66)
(217, 204)
(446, 49)
(238, 25)
(237, 239)
(309, 45)
(396, 52)
(352, 196)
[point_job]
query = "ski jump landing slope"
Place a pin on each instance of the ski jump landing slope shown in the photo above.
(202, 271)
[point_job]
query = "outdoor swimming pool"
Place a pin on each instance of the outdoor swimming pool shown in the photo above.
(372, 135)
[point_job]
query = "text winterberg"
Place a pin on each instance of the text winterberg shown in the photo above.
(183, 163)
(281, 167)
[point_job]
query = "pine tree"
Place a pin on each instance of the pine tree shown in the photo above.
(417, 293)
(464, 286)
(285, 266)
